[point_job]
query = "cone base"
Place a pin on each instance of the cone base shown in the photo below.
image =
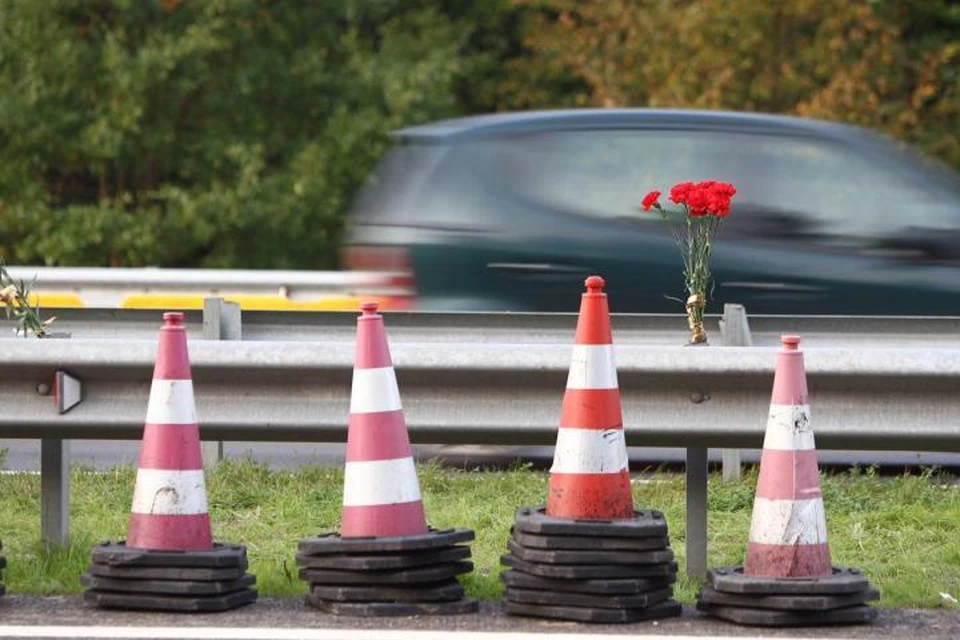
(466, 605)
(664, 609)
(590, 496)
(788, 561)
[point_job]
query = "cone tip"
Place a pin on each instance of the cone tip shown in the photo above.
(790, 343)
(595, 284)
(369, 308)
(173, 319)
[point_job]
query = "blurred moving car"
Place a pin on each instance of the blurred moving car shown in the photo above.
(513, 211)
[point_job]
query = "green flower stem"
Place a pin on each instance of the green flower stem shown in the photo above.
(17, 306)
(695, 240)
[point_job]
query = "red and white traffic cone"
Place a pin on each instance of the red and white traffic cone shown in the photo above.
(381, 493)
(788, 533)
(590, 477)
(169, 509)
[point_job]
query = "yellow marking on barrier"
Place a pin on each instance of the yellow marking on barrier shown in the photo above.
(59, 300)
(259, 303)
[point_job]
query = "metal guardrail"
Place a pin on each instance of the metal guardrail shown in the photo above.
(491, 390)
(874, 399)
(512, 328)
(117, 287)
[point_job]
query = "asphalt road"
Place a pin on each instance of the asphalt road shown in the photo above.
(277, 618)
(24, 455)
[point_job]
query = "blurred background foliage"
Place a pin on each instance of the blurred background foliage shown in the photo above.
(235, 133)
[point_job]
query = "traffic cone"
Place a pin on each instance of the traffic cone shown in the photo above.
(788, 533)
(590, 476)
(169, 509)
(381, 494)
(169, 561)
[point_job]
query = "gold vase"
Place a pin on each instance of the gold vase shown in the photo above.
(696, 303)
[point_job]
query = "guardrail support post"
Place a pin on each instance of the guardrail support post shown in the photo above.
(697, 512)
(736, 333)
(54, 492)
(221, 321)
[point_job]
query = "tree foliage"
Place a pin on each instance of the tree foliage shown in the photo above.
(892, 65)
(219, 133)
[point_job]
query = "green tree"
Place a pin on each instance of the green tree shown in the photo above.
(223, 133)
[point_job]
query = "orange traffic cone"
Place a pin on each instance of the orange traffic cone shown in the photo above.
(169, 509)
(381, 494)
(590, 477)
(788, 534)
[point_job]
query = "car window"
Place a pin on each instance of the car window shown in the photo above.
(389, 194)
(842, 195)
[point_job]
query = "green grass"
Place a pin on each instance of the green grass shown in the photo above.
(901, 531)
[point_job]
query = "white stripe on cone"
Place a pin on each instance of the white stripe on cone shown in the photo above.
(171, 402)
(170, 492)
(589, 451)
(374, 390)
(789, 428)
(374, 482)
(788, 522)
(592, 367)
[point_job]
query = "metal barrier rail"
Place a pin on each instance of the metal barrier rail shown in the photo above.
(117, 287)
(540, 328)
(482, 393)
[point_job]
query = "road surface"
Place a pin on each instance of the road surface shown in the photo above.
(284, 618)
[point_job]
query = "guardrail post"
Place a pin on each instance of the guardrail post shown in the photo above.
(736, 333)
(697, 512)
(221, 321)
(54, 492)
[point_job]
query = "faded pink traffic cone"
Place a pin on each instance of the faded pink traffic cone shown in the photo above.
(381, 493)
(169, 509)
(788, 533)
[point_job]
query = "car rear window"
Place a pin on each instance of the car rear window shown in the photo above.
(389, 194)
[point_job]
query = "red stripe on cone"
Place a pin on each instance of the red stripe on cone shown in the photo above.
(378, 438)
(170, 448)
(591, 496)
(788, 561)
(591, 409)
(788, 475)
(173, 363)
(189, 532)
(372, 351)
(788, 536)
(398, 519)
(577, 490)
(593, 324)
(790, 380)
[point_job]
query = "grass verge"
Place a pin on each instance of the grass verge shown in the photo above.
(900, 531)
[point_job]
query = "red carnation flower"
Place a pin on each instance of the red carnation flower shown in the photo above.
(650, 200)
(680, 192)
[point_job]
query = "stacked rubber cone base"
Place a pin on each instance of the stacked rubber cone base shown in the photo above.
(121, 577)
(388, 576)
(589, 570)
(840, 598)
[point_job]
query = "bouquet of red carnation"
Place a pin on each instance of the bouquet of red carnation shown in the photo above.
(705, 205)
